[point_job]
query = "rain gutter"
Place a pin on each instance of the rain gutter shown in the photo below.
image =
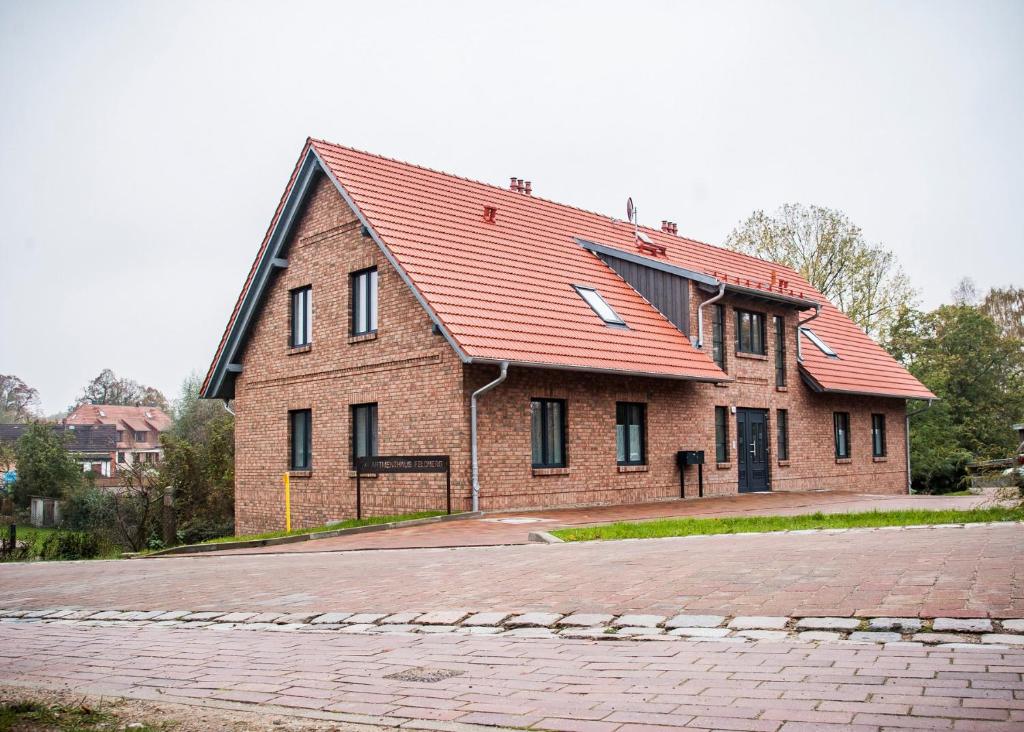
(472, 432)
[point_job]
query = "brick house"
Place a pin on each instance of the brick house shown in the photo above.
(92, 446)
(386, 295)
(138, 433)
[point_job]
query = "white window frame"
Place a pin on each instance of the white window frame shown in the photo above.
(822, 346)
(599, 305)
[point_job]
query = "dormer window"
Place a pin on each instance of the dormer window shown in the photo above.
(604, 311)
(824, 347)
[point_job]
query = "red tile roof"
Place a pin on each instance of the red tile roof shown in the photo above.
(503, 290)
(134, 418)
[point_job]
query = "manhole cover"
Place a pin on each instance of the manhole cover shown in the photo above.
(424, 675)
(517, 520)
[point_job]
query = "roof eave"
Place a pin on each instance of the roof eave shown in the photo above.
(818, 387)
(599, 370)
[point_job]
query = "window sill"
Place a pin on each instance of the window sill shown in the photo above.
(363, 337)
(880, 459)
(538, 472)
(755, 356)
(844, 461)
(784, 463)
(364, 476)
(632, 468)
(781, 388)
(292, 350)
(300, 473)
(723, 466)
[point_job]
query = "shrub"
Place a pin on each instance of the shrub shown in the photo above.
(69, 545)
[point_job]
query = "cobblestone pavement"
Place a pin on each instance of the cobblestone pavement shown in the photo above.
(974, 571)
(513, 528)
(433, 681)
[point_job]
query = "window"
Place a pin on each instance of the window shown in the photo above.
(824, 347)
(302, 317)
(120, 457)
(878, 435)
(547, 433)
(780, 350)
(603, 309)
(842, 430)
(749, 332)
(630, 433)
(364, 430)
(140, 436)
(120, 435)
(718, 335)
(782, 416)
(301, 439)
(722, 434)
(364, 301)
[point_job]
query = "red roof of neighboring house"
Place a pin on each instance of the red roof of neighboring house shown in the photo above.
(503, 290)
(140, 419)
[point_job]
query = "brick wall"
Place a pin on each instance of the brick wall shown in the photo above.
(423, 395)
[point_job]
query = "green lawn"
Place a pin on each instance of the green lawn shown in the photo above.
(350, 523)
(33, 716)
(742, 524)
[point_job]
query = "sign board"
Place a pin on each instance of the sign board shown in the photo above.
(403, 464)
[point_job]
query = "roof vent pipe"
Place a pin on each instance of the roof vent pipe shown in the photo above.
(700, 314)
(799, 328)
(529, 189)
(474, 459)
(512, 183)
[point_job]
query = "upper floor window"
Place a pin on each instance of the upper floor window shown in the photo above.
(364, 301)
(364, 430)
(749, 332)
(718, 334)
(722, 434)
(600, 306)
(630, 433)
(300, 428)
(878, 446)
(302, 316)
(547, 433)
(141, 436)
(780, 350)
(841, 421)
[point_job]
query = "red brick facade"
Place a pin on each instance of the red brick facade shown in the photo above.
(422, 392)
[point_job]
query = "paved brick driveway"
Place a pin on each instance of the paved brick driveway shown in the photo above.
(513, 528)
(572, 686)
(966, 572)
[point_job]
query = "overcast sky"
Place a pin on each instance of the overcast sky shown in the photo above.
(144, 145)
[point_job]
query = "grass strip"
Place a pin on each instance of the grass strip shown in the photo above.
(661, 528)
(350, 523)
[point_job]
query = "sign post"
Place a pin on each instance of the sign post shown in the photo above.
(287, 503)
(403, 464)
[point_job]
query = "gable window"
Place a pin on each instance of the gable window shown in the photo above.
(841, 422)
(364, 301)
(722, 434)
(822, 346)
(364, 430)
(782, 425)
(300, 428)
(878, 446)
(630, 433)
(780, 350)
(750, 332)
(604, 311)
(718, 335)
(547, 433)
(302, 317)
(140, 436)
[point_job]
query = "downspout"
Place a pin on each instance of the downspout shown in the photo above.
(799, 327)
(700, 314)
(472, 432)
(228, 408)
(925, 408)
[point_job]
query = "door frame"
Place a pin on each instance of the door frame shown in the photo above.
(767, 450)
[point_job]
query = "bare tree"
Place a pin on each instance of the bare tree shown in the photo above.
(19, 402)
(137, 503)
(108, 388)
(863, 280)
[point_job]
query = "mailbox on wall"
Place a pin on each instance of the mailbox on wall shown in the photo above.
(690, 457)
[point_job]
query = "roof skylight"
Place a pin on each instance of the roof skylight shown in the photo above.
(822, 346)
(600, 306)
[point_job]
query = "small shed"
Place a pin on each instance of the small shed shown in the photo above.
(45, 512)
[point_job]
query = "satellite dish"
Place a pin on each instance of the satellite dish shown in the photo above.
(629, 209)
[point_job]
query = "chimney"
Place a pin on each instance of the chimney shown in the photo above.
(529, 189)
(512, 183)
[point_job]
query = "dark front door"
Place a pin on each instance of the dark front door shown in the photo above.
(752, 449)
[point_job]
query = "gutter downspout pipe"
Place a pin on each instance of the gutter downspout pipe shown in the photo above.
(472, 432)
(228, 408)
(925, 408)
(699, 343)
(799, 327)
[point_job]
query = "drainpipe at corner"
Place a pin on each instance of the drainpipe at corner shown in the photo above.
(227, 407)
(925, 408)
(799, 327)
(699, 343)
(472, 432)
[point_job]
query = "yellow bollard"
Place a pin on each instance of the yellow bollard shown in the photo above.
(287, 504)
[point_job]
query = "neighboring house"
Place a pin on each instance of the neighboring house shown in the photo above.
(137, 430)
(385, 294)
(93, 446)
